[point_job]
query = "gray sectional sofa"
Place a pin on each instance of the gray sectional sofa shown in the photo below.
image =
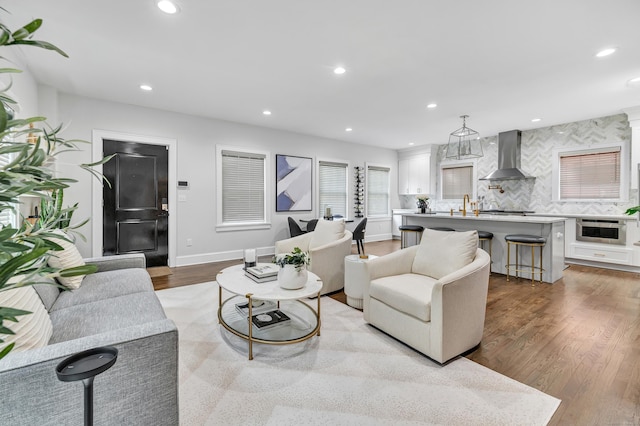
(114, 307)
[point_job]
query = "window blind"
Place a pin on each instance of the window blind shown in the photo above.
(332, 182)
(593, 175)
(377, 191)
(243, 187)
(456, 182)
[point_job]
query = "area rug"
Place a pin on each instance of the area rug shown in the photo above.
(352, 374)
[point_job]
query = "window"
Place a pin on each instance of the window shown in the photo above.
(590, 175)
(457, 181)
(377, 191)
(242, 188)
(8, 217)
(332, 183)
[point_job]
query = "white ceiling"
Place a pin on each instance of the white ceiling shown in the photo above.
(502, 62)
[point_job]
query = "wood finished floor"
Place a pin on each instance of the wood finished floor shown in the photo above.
(577, 340)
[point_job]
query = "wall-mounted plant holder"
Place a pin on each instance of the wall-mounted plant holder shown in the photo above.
(359, 191)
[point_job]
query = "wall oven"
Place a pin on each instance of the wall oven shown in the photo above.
(607, 231)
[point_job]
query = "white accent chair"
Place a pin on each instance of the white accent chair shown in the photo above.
(431, 296)
(327, 245)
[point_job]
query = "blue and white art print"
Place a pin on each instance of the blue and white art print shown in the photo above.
(293, 183)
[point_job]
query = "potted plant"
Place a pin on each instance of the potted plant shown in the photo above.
(632, 210)
(422, 203)
(30, 147)
(293, 269)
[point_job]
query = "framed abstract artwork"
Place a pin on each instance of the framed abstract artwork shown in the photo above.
(293, 183)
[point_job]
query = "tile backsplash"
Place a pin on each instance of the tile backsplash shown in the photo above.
(536, 160)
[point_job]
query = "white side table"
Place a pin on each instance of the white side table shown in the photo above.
(355, 277)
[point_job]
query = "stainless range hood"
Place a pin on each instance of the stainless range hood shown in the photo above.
(508, 158)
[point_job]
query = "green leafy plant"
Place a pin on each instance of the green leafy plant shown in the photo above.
(31, 146)
(422, 201)
(297, 257)
(53, 215)
(632, 210)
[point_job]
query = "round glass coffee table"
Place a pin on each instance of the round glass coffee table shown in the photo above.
(253, 309)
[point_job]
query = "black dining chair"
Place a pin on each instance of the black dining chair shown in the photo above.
(358, 234)
(311, 226)
(294, 228)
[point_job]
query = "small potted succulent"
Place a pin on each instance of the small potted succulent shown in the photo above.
(293, 269)
(422, 203)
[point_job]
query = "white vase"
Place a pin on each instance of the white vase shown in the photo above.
(290, 279)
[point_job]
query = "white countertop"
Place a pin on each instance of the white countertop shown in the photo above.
(490, 217)
(588, 216)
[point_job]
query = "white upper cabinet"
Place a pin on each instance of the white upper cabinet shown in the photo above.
(414, 173)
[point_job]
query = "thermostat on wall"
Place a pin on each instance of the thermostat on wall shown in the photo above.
(183, 184)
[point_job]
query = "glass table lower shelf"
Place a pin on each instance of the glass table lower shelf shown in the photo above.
(303, 323)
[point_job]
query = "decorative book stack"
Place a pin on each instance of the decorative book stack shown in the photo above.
(269, 319)
(263, 273)
(258, 307)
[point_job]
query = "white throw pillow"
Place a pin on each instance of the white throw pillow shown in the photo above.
(68, 258)
(326, 232)
(33, 330)
(441, 253)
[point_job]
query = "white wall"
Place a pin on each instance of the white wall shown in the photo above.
(196, 139)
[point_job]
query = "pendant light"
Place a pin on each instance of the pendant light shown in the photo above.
(464, 143)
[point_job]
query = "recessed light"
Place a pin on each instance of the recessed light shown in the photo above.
(411, 143)
(535, 120)
(605, 52)
(266, 112)
(146, 87)
(348, 129)
(560, 132)
(432, 105)
(634, 82)
(339, 70)
(167, 7)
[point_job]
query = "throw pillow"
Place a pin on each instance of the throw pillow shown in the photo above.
(69, 257)
(31, 331)
(441, 253)
(326, 231)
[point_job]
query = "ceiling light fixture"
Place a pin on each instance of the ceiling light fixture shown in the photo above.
(348, 129)
(339, 70)
(605, 52)
(146, 87)
(464, 142)
(411, 143)
(430, 106)
(266, 112)
(168, 7)
(535, 120)
(634, 82)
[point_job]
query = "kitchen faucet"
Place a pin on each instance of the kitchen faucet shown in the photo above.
(464, 204)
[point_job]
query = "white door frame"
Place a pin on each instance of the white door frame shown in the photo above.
(96, 198)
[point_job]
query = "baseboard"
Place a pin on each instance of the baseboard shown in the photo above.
(198, 259)
(603, 265)
(378, 237)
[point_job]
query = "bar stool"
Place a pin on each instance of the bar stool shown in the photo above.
(417, 229)
(485, 236)
(519, 240)
(442, 228)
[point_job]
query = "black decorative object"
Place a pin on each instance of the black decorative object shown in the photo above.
(85, 366)
(359, 191)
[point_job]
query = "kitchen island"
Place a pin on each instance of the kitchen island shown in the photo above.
(551, 228)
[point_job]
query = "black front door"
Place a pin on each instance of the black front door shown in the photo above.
(135, 212)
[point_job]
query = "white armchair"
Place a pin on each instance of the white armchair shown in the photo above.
(327, 245)
(431, 296)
